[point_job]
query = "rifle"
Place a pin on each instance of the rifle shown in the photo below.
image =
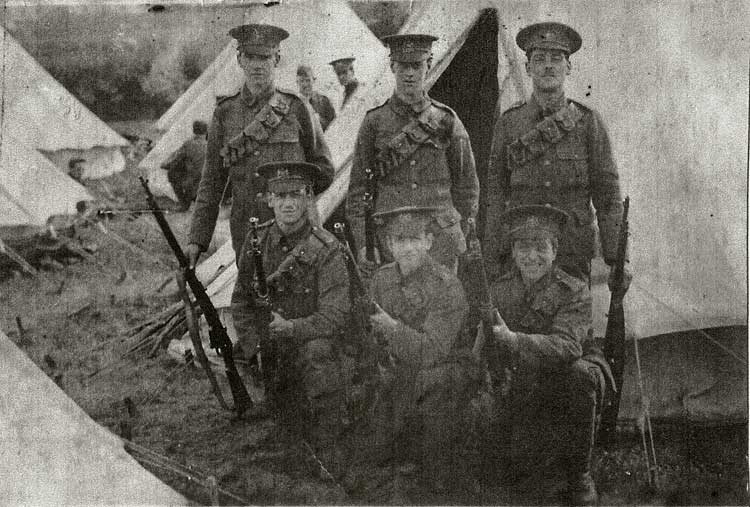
(217, 333)
(484, 344)
(614, 337)
(268, 346)
(362, 305)
(371, 189)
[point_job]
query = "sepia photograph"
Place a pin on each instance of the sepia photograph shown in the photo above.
(362, 252)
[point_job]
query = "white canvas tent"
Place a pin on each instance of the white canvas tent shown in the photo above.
(670, 80)
(32, 189)
(52, 453)
(319, 32)
(47, 117)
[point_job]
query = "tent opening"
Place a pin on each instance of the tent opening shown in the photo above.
(469, 85)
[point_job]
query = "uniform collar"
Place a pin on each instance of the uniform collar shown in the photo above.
(537, 286)
(251, 100)
(549, 106)
(402, 107)
(278, 238)
(418, 273)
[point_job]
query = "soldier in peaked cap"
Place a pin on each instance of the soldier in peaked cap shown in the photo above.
(553, 378)
(553, 150)
(422, 308)
(418, 152)
(344, 69)
(319, 102)
(309, 295)
(259, 124)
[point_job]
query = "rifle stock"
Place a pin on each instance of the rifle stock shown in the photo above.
(614, 338)
(217, 333)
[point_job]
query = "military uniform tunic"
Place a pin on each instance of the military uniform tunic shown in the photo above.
(556, 374)
(566, 162)
(441, 171)
(434, 377)
(309, 286)
(322, 105)
(297, 138)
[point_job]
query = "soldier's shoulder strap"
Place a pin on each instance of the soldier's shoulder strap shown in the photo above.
(579, 105)
(220, 99)
(514, 106)
(567, 281)
(379, 106)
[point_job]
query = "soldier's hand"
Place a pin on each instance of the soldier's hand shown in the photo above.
(503, 334)
(193, 252)
(281, 327)
(627, 277)
(382, 321)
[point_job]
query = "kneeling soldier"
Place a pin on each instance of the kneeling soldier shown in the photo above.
(552, 378)
(432, 377)
(309, 304)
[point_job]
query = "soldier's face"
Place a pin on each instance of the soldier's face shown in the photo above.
(410, 76)
(548, 69)
(345, 75)
(259, 70)
(305, 85)
(289, 207)
(534, 257)
(409, 251)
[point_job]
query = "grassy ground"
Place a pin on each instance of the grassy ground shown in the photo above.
(79, 315)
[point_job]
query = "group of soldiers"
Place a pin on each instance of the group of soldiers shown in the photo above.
(414, 181)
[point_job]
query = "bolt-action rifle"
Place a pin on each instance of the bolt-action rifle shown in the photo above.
(217, 333)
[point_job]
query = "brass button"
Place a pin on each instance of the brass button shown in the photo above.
(547, 162)
(284, 249)
(256, 153)
(257, 175)
(413, 185)
(307, 290)
(413, 162)
(547, 183)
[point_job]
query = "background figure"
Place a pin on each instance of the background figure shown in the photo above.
(319, 102)
(422, 402)
(309, 296)
(344, 69)
(556, 151)
(548, 377)
(259, 124)
(419, 153)
(185, 165)
(76, 169)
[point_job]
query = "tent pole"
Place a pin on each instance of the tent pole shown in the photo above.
(13, 255)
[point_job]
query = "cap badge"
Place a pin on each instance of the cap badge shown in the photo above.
(282, 173)
(408, 47)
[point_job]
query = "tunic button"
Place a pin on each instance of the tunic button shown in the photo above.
(547, 183)
(284, 249)
(256, 153)
(308, 291)
(413, 162)
(257, 175)
(547, 162)
(413, 185)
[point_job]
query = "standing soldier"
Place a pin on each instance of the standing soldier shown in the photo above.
(319, 102)
(422, 307)
(309, 297)
(344, 69)
(419, 154)
(553, 150)
(553, 377)
(185, 165)
(259, 124)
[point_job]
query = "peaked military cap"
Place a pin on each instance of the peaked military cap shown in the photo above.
(533, 220)
(406, 220)
(341, 64)
(410, 47)
(549, 35)
(256, 39)
(289, 176)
